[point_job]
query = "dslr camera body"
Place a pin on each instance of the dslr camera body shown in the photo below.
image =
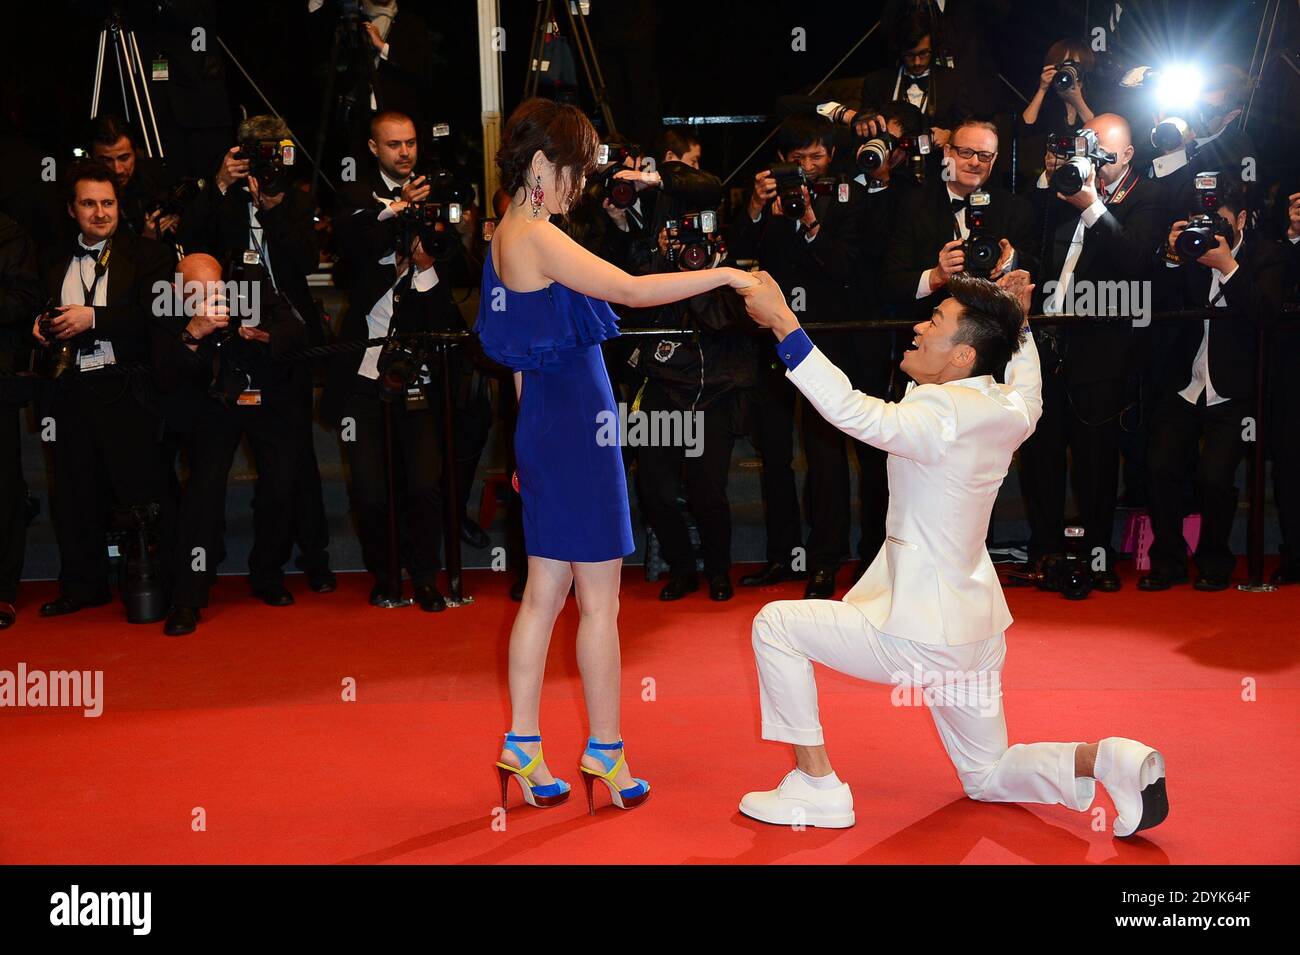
(873, 153)
(981, 247)
(268, 162)
(1204, 224)
(790, 180)
(1082, 154)
(610, 159)
(694, 241)
(1067, 76)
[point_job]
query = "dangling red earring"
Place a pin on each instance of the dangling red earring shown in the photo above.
(536, 198)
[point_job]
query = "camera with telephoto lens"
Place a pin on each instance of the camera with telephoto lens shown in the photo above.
(1204, 225)
(1170, 133)
(1082, 154)
(244, 283)
(621, 193)
(694, 242)
(433, 224)
(790, 180)
(399, 364)
(1067, 75)
(139, 573)
(873, 152)
(268, 162)
(1066, 573)
(59, 355)
(981, 249)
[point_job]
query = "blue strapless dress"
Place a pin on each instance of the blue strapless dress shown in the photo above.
(574, 488)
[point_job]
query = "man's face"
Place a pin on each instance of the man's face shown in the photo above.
(691, 157)
(95, 209)
(119, 157)
(917, 60)
(1114, 138)
(394, 145)
(971, 172)
(934, 358)
(815, 159)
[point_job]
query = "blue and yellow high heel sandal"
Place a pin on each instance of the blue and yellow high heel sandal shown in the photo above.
(628, 798)
(552, 794)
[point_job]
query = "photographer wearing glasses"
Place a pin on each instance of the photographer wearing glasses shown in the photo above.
(1207, 392)
(957, 224)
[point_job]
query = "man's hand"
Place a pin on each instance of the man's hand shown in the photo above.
(1175, 231)
(766, 306)
(263, 200)
(663, 241)
(1085, 196)
(1051, 163)
(764, 190)
(1017, 284)
(1004, 260)
(939, 136)
(231, 170)
(36, 331)
(372, 34)
(72, 320)
(1293, 216)
(641, 178)
(214, 317)
(417, 190)
(1220, 257)
(866, 125)
(952, 259)
(619, 216)
(423, 260)
(254, 335)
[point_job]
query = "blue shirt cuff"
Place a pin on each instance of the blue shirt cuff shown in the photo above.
(794, 348)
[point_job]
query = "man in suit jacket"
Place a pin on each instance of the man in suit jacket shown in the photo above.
(1099, 239)
(1208, 390)
(1284, 423)
(932, 223)
(106, 440)
(929, 616)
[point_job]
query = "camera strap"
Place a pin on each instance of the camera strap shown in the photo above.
(101, 269)
(1123, 189)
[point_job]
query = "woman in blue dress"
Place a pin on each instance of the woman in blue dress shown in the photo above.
(543, 313)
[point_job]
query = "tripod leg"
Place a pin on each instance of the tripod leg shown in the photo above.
(148, 101)
(595, 80)
(540, 23)
(322, 128)
(99, 74)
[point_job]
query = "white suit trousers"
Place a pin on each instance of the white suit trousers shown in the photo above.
(961, 685)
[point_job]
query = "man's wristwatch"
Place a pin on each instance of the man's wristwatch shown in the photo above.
(188, 338)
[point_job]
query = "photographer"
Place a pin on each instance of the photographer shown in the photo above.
(933, 237)
(143, 183)
(1284, 425)
(214, 365)
(1058, 105)
(394, 288)
(253, 207)
(820, 250)
(106, 438)
(20, 290)
(1208, 390)
(1210, 138)
(1094, 238)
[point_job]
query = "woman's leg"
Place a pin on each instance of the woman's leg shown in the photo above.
(548, 587)
(598, 654)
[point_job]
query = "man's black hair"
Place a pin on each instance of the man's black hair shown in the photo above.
(991, 322)
(909, 118)
(107, 129)
(1237, 196)
(801, 130)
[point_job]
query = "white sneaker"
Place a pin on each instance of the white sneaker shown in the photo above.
(795, 802)
(1135, 780)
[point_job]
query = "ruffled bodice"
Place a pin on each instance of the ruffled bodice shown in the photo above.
(531, 330)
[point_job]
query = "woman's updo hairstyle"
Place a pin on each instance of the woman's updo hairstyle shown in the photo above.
(564, 135)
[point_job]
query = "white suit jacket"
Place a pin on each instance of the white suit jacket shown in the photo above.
(950, 447)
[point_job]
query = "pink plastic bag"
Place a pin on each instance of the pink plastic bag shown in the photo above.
(1138, 537)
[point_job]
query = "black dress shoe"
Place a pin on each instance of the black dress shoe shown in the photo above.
(274, 596)
(377, 593)
(64, 605)
(1107, 581)
(473, 535)
(322, 582)
(517, 588)
(1284, 575)
(679, 585)
(429, 599)
(1212, 582)
(821, 586)
(181, 621)
(7, 615)
(773, 573)
(720, 587)
(1158, 581)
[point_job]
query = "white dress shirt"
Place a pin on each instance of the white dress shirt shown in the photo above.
(1088, 218)
(79, 277)
(1201, 364)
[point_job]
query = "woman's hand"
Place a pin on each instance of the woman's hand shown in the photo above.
(738, 278)
(1046, 77)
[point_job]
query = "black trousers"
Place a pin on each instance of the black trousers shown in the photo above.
(417, 457)
(772, 433)
(276, 436)
(13, 502)
(106, 450)
(311, 526)
(1177, 429)
(1283, 431)
(661, 472)
(1082, 419)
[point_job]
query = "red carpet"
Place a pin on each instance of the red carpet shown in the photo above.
(245, 721)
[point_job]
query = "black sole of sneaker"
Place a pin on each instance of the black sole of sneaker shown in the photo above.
(1155, 807)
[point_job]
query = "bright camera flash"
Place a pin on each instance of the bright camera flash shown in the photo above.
(1179, 86)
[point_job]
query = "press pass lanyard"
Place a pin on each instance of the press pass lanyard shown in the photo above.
(101, 268)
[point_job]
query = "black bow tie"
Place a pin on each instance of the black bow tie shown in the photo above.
(958, 204)
(81, 250)
(921, 81)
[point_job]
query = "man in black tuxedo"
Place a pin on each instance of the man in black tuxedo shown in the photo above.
(107, 427)
(1208, 391)
(20, 291)
(1102, 237)
(820, 256)
(257, 399)
(272, 224)
(1284, 423)
(932, 224)
(398, 289)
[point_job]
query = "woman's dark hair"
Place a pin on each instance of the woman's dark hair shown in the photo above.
(1076, 50)
(991, 322)
(563, 134)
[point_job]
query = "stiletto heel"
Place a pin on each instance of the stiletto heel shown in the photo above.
(552, 794)
(628, 798)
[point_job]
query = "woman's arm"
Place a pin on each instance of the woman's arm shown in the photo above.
(560, 258)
